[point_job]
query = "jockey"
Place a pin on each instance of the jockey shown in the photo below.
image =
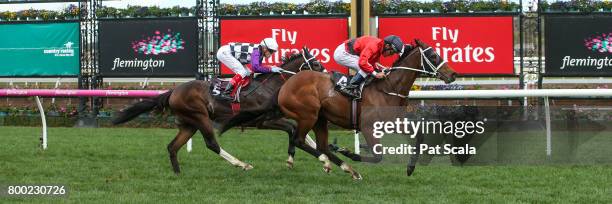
(362, 54)
(237, 55)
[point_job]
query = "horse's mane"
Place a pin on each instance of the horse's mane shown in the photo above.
(405, 53)
(291, 57)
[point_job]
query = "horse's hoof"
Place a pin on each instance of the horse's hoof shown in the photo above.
(326, 163)
(356, 176)
(289, 164)
(334, 147)
(410, 170)
(247, 167)
(327, 169)
(176, 171)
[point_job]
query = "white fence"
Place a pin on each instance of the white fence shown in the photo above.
(442, 94)
(540, 93)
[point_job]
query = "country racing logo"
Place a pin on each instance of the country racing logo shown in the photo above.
(66, 51)
(69, 45)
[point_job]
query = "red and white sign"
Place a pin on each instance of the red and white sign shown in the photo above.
(320, 35)
(471, 45)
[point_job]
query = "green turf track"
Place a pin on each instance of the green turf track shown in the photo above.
(131, 166)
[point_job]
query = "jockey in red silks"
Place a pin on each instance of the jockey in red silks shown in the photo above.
(237, 55)
(362, 55)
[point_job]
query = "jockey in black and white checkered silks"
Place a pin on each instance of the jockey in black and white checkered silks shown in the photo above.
(236, 56)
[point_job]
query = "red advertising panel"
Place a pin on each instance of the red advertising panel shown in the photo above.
(320, 35)
(471, 45)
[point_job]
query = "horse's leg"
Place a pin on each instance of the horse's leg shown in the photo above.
(414, 157)
(371, 141)
(305, 118)
(185, 132)
(322, 134)
(299, 140)
(286, 125)
(206, 128)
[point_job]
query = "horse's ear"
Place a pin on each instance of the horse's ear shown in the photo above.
(407, 47)
(420, 43)
(305, 49)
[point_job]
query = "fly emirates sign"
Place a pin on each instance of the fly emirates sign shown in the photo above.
(471, 45)
(320, 35)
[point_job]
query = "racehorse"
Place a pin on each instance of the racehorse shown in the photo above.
(310, 99)
(195, 108)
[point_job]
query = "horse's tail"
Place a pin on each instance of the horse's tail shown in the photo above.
(160, 102)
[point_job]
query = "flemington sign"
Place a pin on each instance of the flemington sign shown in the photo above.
(148, 48)
(578, 46)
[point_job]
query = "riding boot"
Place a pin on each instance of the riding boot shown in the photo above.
(226, 95)
(353, 87)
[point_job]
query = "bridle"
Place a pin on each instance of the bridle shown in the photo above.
(430, 69)
(306, 62)
(427, 67)
(306, 65)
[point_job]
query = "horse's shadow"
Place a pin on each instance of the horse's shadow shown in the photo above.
(457, 114)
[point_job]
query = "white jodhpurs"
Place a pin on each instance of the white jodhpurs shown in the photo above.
(224, 55)
(342, 57)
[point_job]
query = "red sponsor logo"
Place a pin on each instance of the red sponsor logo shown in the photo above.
(320, 35)
(471, 45)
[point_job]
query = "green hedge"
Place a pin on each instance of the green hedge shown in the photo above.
(264, 8)
(576, 6)
(70, 12)
(316, 7)
(144, 11)
(403, 7)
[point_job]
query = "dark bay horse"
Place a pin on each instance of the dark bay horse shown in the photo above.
(196, 109)
(310, 99)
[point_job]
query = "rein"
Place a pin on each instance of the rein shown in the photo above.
(423, 69)
(306, 62)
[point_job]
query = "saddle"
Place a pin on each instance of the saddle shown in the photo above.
(218, 84)
(246, 87)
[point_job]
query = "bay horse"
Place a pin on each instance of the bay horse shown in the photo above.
(195, 108)
(310, 99)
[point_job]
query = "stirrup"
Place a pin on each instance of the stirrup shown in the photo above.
(226, 97)
(353, 93)
(356, 93)
(351, 86)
